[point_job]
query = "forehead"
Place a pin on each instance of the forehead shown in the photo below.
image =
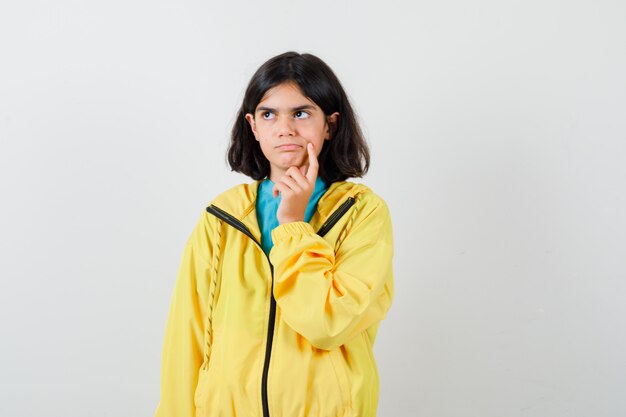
(287, 94)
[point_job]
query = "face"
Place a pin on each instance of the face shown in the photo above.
(284, 122)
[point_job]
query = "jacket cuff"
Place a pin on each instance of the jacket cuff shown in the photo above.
(292, 229)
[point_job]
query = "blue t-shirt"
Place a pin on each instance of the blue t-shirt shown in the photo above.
(267, 206)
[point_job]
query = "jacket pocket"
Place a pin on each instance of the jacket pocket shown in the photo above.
(201, 395)
(205, 388)
(339, 368)
(369, 348)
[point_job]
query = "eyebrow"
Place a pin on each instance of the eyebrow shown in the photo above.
(303, 107)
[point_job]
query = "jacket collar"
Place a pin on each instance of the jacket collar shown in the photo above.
(240, 202)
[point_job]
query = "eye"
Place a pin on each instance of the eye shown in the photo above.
(301, 113)
(267, 114)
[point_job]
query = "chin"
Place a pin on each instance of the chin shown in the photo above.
(296, 161)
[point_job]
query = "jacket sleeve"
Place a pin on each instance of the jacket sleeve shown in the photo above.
(185, 334)
(330, 297)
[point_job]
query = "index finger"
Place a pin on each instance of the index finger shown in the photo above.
(311, 174)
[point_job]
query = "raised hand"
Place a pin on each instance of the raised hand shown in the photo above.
(296, 187)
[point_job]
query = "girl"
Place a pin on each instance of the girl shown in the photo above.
(283, 281)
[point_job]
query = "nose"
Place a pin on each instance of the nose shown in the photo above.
(285, 126)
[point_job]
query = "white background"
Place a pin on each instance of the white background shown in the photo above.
(498, 136)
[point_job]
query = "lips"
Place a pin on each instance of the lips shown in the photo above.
(289, 147)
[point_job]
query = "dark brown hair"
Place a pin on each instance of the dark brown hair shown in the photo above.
(346, 155)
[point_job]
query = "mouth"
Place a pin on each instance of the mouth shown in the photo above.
(289, 147)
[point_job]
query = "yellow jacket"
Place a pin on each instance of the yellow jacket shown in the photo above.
(288, 336)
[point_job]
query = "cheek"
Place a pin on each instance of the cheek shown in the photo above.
(264, 147)
(320, 147)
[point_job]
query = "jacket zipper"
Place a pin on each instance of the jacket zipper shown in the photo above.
(237, 224)
(335, 216)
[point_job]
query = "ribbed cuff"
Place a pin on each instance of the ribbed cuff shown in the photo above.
(291, 229)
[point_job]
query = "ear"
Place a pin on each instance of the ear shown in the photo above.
(250, 119)
(331, 125)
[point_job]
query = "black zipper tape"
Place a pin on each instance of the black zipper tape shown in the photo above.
(336, 216)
